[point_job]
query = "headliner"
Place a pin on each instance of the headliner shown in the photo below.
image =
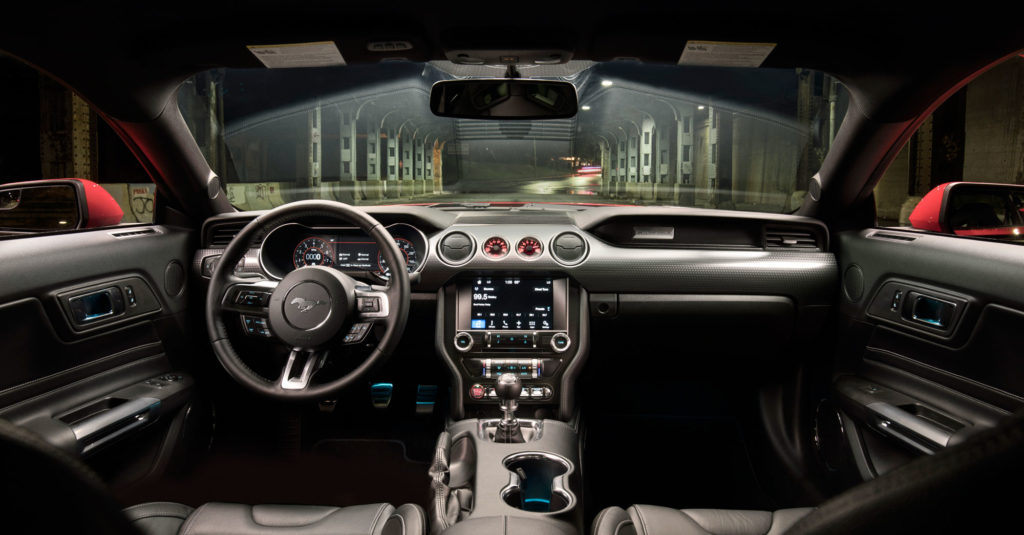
(127, 58)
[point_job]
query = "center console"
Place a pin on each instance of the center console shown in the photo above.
(532, 487)
(531, 325)
(512, 342)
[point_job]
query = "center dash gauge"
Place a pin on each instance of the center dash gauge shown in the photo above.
(496, 247)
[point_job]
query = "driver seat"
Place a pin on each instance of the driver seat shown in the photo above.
(47, 490)
(167, 518)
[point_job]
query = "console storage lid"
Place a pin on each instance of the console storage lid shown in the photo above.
(511, 525)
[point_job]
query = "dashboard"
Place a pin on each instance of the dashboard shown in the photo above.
(516, 290)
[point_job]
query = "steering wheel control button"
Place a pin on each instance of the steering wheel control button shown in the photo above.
(368, 304)
(463, 341)
(560, 342)
(477, 391)
(356, 333)
(249, 298)
(307, 306)
(255, 326)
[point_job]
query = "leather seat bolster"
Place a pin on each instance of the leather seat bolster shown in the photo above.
(407, 519)
(655, 520)
(158, 518)
(239, 519)
(613, 521)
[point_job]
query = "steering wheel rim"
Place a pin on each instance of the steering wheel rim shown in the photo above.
(394, 301)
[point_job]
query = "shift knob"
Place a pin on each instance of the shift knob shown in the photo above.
(508, 387)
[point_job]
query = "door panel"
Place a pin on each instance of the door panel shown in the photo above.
(93, 325)
(928, 352)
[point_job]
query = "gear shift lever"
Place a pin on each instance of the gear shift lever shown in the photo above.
(507, 388)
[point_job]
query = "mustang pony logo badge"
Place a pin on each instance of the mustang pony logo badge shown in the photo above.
(305, 305)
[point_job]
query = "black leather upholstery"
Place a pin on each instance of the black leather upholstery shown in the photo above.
(52, 489)
(58, 494)
(967, 488)
(163, 518)
(655, 520)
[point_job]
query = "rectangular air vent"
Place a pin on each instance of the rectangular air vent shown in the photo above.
(790, 239)
(133, 232)
(220, 235)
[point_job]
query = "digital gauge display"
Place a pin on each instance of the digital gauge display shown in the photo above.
(313, 252)
(295, 246)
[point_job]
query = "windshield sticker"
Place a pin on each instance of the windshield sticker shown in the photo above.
(724, 54)
(295, 55)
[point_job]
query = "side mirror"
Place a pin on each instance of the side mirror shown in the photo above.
(972, 209)
(503, 98)
(58, 204)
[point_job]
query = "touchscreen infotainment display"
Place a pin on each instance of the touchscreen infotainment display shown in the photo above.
(511, 304)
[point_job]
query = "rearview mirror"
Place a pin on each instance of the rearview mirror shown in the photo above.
(972, 209)
(503, 99)
(53, 205)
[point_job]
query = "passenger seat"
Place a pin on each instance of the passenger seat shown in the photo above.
(656, 520)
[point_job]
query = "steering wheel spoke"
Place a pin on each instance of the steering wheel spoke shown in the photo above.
(300, 368)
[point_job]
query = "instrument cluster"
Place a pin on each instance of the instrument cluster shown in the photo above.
(348, 249)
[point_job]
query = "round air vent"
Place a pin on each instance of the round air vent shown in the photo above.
(456, 248)
(569, 248)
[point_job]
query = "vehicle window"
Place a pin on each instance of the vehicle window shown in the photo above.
(976, 136)
(726, 138)
(48, 132)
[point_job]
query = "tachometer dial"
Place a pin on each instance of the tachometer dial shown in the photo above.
(408, 250)
(529, 247)
(496, 247)
(313, 252)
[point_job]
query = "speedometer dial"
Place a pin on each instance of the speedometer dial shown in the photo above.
(313, 252)
(408, 250)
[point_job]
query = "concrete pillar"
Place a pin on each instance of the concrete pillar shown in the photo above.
(646, 150)
(419, 164)
(606, 163)
(347, 149)
(312, 178)
(435, 160)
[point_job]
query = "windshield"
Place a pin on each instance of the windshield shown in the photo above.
(726, 138)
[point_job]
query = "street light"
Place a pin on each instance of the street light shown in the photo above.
(585, 107)
(606, 83)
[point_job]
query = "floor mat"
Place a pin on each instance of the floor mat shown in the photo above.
(335, 472)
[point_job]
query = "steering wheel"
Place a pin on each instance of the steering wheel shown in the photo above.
(310, 310)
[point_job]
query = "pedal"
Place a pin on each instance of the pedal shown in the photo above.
(426, 396)
(380, 394)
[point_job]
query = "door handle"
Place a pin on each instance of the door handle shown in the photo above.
(912, 430)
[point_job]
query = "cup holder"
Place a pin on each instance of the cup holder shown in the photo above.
(537, 483)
